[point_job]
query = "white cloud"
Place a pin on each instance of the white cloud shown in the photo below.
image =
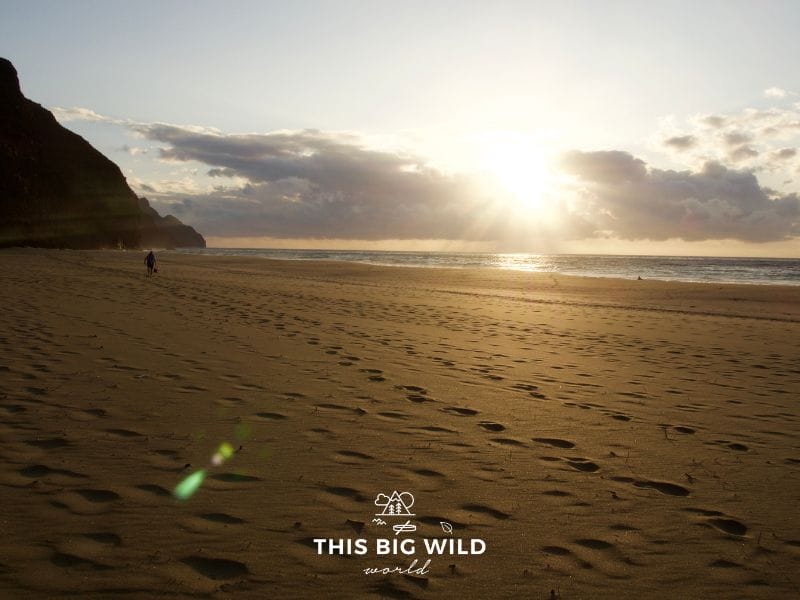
(64, 115)
(775, 92)
(760, 140)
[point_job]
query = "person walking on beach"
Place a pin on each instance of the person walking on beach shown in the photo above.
(150, 261)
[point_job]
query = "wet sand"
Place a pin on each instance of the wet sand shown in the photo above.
(604, 438)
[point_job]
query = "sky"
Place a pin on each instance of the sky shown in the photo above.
(599, 127)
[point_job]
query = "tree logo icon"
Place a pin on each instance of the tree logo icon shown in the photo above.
(395, 505)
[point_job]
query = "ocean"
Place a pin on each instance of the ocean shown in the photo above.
(762, 271)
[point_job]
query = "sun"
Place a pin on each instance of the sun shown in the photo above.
(521, 168)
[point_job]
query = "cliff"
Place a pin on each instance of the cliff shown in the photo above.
(56, 190)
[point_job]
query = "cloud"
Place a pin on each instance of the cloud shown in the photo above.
(622, 197)
(735, 138)
(784, 153)
(681, 142)
(133, 150)
(320, 184)
(751, 138)
(741, 153)
(327, 185)
(64, 115)
(775, 92)
(715, 121)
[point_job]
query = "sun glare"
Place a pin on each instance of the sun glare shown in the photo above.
(521, 168)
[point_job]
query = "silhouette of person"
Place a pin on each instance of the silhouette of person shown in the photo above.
(150, 261)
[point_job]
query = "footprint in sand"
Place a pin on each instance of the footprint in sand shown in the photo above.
(583, 464)
(461, 412)
(95, 412)
(427, 473)
(555, 550)
(155, 490)
(230, 401)
(234, 478)
(729, 526)
(664, 487)
(738, 447)
(413, 388)
(486, 510)
(433, 429)
(527, 387)
(271, 416)
(222, 518)
(491, 426)
(124, 433)
(339, 407)
(40, 471)
(216, 568)
(594, 544)
(352, 457)
(393, 415)
(555, 442)
(73, 562)
(191, 389)
(109, 539)
(549, 458)
(98, 496)
(556, 493)
(418, 398)
(508, 442)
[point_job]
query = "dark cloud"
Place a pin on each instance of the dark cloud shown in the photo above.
(784, 153)
(714, 121)
(741, 153)
(221, 173)
(314, 184)
(681, 142)
(714, 203)
(737, 138)
(612, 166)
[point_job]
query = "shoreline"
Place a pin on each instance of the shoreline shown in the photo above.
(530, 272)
(253, 253)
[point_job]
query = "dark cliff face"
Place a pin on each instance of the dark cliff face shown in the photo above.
(56, 190)
(168, 231)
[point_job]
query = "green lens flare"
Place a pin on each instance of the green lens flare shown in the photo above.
(186, 488)
(243, 431)
(226, 450)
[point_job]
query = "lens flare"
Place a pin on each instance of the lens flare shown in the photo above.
(187, 488)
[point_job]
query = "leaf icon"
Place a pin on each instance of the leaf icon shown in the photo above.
(446, 527)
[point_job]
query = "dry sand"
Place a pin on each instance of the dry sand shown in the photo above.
(604, 438)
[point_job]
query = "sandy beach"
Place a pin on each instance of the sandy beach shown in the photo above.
(603, 438)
